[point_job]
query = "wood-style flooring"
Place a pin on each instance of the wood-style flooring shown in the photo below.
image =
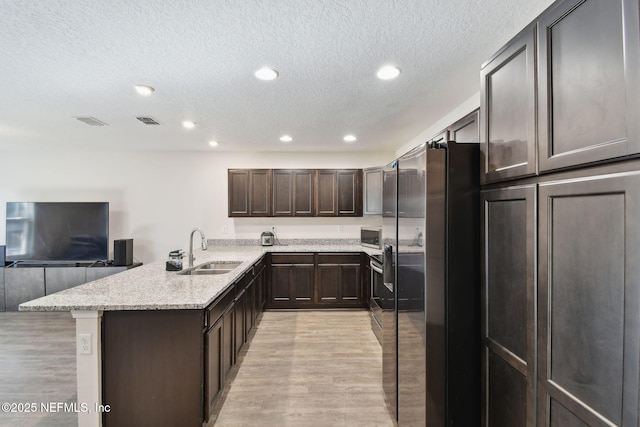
(308, 368)
(38, 365)
(302, 368)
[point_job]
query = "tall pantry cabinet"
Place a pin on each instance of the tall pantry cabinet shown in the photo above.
(560, 142)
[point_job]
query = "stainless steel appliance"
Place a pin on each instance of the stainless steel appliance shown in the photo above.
(371, 237)
(434, 274)
(375, 262)
(267, 238)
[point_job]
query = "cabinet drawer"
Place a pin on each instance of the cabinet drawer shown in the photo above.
(339, 258)
(292, 258)
(215, 310)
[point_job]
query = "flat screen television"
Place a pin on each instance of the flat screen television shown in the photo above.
(54, 232)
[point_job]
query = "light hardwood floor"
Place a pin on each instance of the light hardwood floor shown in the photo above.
(37, 365)
(304, 368)
(308, 368)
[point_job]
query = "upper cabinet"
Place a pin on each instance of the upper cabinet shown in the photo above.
(571, 102)
(507, 108)
(294, 192)
(587, 82)
(466, 130)
(372, 179)
(249, 192)
(339, 192)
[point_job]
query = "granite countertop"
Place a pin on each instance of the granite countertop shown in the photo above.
(151, 287)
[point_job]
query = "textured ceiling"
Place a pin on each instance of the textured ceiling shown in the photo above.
(60, 59)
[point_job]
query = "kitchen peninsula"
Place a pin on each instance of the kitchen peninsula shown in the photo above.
(153, 346)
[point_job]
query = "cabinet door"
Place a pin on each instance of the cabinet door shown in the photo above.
(60, 278)
(588, 82)
(507, 110)
(280, 283)
(508, 306)
(328, 283)
(282, 192)
(22, 285)
(260, 196)
(466, 130)
(350, 284)
(303, 192)
(228, 350)
(349, 188)
(213, 366)
(326, 192)
(589, 288)
(249, 309)
(239, 327)
(372, 181)
(238, 192)
(301, 284)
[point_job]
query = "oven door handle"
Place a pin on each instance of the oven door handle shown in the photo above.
(374, 267)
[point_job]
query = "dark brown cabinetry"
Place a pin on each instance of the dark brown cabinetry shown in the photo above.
(508, 306)
(309, 280)
(150, 359)
(339, 192)
(249, 192)
(338, 280)
(466, 130)
(507, 108)
(293, 192)
(589, 288)
(587, 82)
(218, 347)
(292, 280)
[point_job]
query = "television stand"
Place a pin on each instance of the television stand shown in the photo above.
(26, 281)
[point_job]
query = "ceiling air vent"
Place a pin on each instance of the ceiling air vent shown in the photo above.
(92, 121)
(148, 120)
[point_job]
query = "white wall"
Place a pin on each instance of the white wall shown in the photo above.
(156, 198)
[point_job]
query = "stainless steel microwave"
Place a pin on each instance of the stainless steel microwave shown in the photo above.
(371, 237)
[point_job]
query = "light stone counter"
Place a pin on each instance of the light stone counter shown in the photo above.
(151, 287)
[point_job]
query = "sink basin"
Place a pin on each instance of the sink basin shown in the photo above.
(197, 272)
(215, 267)
(219, 265)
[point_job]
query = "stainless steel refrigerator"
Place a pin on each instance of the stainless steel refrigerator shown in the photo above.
(431, 322)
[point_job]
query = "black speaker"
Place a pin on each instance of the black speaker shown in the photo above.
(123, 252)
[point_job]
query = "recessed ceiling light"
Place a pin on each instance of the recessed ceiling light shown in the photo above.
(350, 138)
(286, 138)
(266, 73)
(213, 143)
(388, 72)
(144, 90)
(189, 124)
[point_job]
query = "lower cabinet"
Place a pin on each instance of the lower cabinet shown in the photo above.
(292, 280)
(239, 325)
(338, 280)
(316, 280)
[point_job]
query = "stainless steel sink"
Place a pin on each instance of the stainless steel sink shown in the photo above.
(215, 267)
(219, 265)
(196, 272)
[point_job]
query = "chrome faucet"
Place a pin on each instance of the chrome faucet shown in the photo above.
(203, 244)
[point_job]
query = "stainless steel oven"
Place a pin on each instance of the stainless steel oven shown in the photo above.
(377, 285)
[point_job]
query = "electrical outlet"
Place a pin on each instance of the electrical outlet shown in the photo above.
(273, 229)
(225, 230)
(341, 228)
(84, 343)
